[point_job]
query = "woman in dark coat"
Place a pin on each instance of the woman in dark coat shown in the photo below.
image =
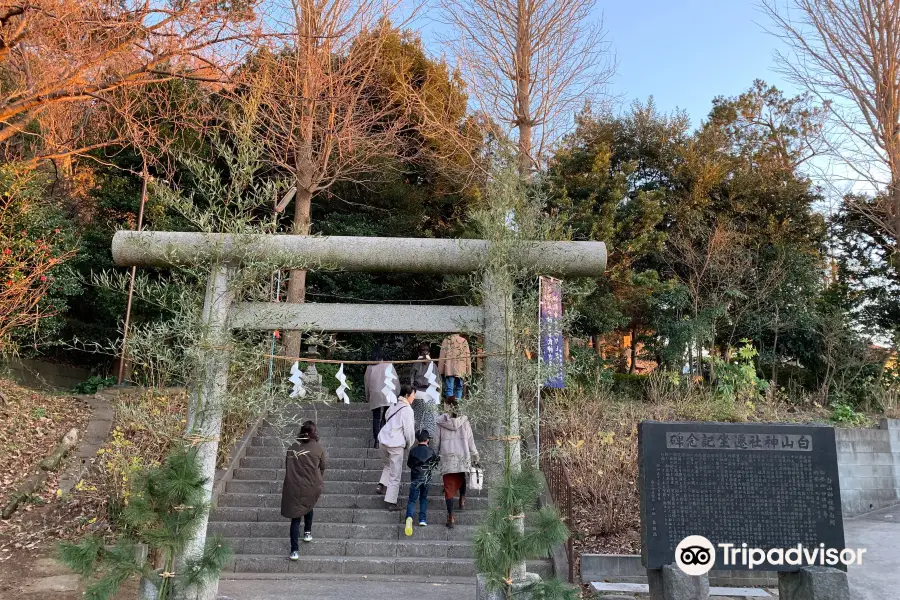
(304, 480)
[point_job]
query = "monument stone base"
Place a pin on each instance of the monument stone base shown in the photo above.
(521, 590)
(814, 583)
(671, 583)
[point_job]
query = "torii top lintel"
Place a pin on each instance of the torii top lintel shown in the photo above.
(367, 254)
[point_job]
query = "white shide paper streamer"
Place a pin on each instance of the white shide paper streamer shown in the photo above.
(342, 389)
(297, 379)
(390, 388)
(432, 394)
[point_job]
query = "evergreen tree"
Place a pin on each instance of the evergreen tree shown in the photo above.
(500, 545)
(165, 510)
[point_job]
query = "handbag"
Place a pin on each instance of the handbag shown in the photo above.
(475, 478)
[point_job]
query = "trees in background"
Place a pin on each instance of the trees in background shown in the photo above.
(318, 120)
(847, 54)
(712, 232)
(530, 63)
(64, 64)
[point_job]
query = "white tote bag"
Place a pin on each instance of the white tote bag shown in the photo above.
(475, 478)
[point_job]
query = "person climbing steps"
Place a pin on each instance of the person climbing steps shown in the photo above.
(421, 462)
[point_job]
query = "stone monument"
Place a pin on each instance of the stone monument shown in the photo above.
(737, 497)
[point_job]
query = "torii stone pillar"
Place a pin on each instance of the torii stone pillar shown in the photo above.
(410, 255)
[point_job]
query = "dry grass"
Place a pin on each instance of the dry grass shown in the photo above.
(31, 424)
(147, 423)
(595, 432)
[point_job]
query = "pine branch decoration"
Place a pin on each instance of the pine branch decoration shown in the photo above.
(165, 509)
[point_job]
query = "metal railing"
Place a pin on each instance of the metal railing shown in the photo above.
(560, 488)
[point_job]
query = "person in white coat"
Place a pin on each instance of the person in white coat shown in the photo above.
(396, 436)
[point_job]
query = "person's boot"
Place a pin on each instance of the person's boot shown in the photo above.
(451, 520)
(462, 503)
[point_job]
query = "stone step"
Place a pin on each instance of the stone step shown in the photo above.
(336, 501)
(323, 430)
(346, 531)
(321, 420)
(245, 483)
(413, 546)
(331, 453)
(371, 476)
(338, 464)
(362, 516)
(347, 565)
(331, 442)
(331, 406)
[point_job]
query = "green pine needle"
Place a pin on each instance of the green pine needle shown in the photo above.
(81, 557)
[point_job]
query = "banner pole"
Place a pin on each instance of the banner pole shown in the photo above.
(539, 385)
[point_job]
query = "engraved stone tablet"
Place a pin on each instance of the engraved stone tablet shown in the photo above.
(764, 485)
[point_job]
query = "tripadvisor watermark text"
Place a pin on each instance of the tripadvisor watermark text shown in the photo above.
(696, 555)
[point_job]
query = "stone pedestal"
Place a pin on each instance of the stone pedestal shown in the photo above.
(312, 381)
(520, 590)
(814, 583)
(671, 583)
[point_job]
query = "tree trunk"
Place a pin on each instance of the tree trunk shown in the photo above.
(775, 355)
(597, 345)
(297, 279)
(633, 349)
(522, 109)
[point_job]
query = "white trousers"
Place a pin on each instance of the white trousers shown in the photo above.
(392, 474)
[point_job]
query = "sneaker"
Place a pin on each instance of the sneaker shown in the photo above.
(408, 530)
(307, 536)
(295, 556)
(422, 524)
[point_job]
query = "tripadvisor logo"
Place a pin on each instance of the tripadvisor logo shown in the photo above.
(696, 555)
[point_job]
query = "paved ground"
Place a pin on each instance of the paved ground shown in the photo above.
(337, 587)
(878, 578)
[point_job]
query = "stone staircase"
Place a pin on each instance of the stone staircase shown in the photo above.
(353, 534)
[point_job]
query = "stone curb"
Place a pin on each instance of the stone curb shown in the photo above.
(235, 454)
(95, 434)
(627, 568)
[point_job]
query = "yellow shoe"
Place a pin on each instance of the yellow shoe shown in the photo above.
(408, 530)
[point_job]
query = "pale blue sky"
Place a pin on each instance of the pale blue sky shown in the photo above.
(686, 52)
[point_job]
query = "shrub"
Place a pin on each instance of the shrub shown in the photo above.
(94, 384)
(630, 385)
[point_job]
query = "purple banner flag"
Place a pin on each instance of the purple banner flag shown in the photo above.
(552, 331)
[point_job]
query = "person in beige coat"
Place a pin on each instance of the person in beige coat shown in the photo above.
(396, 436)
(454, 443)
(456, 365)
(375, 381)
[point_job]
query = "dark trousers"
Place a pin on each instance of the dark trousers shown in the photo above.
(377, 420)
(418, 492)
(295, 529)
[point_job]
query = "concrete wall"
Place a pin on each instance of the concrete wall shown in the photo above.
(869, 467)
(45, 375)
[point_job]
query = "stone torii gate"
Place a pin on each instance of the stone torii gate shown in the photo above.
(363, 254)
